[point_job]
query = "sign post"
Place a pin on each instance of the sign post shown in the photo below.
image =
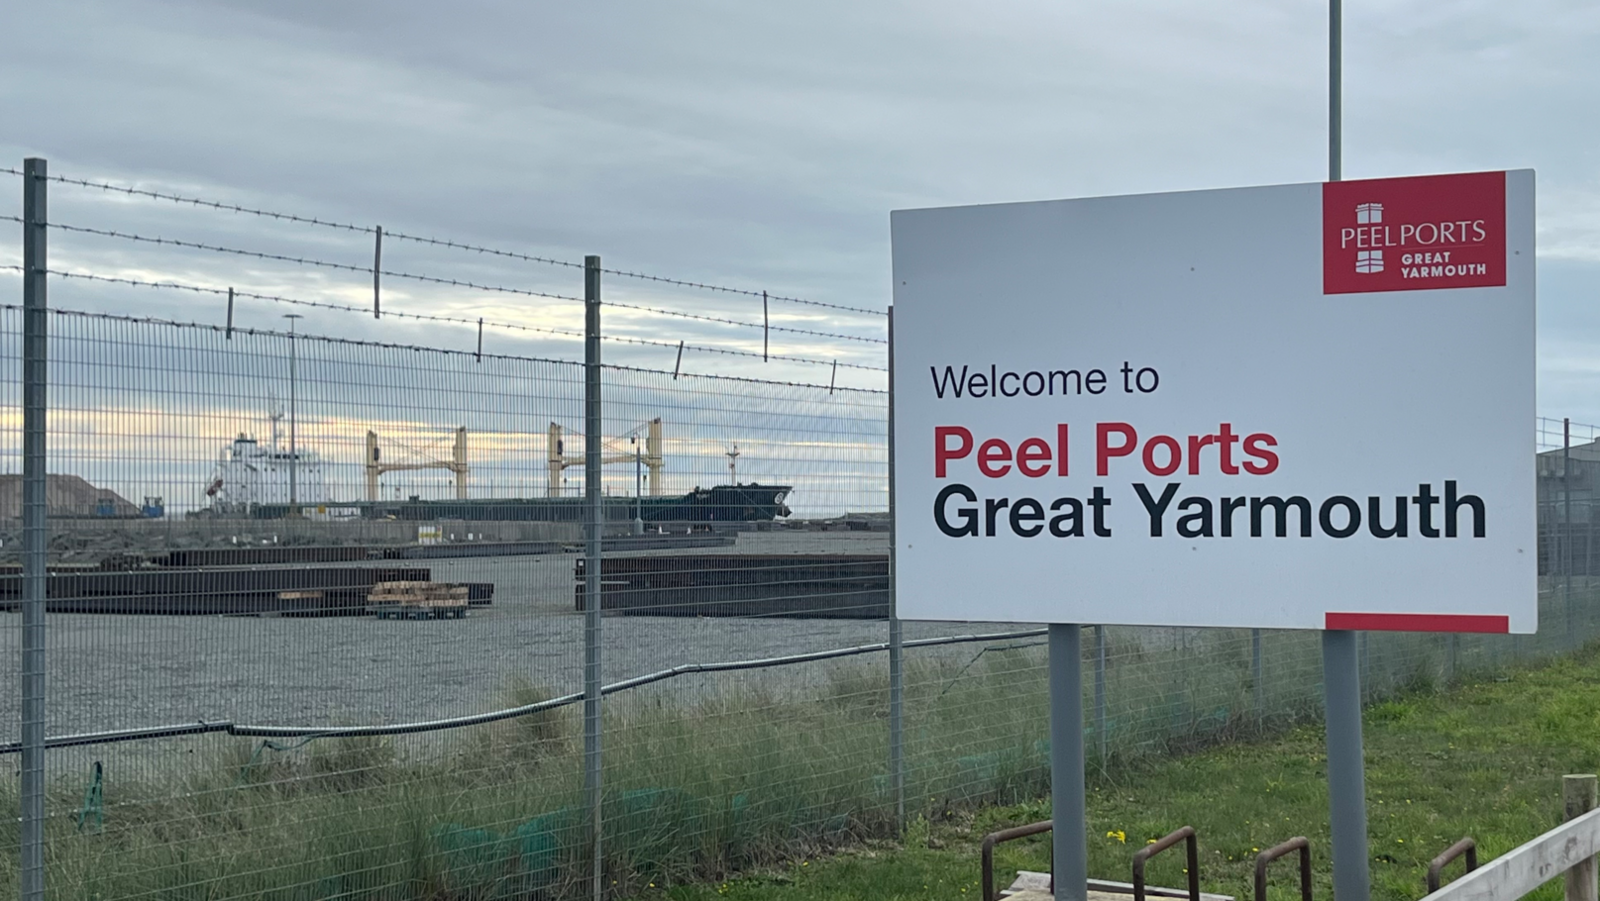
(1341, 665)
(1286, 407)
(1069, 836)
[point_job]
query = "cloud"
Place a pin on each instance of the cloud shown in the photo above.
(753, 145)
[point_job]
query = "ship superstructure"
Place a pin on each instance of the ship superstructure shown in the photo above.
(251, 475)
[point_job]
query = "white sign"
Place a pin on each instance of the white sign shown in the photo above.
(1305, 406)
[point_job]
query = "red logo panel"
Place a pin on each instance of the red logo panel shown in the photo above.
(1409, 234)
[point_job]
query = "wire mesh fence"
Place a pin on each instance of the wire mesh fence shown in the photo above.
(317, 594)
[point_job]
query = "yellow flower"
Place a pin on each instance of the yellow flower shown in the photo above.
(1119, 835)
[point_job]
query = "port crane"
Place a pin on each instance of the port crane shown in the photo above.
(559, 459)
(457, 464)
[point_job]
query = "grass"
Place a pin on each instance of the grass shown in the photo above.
(713, 778)
(1483, 759)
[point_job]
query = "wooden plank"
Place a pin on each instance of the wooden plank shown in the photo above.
(1154, 891)
(1520, 871)
(1032, 886)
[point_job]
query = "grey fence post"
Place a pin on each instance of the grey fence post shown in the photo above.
(1257, 687)
(1364, 664)
(897, 747)
(1100, 691)
(1566, 523)
(35, 522)
(593, 526)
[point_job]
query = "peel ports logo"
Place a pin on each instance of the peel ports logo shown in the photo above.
(1369, 261)
(1411, 234)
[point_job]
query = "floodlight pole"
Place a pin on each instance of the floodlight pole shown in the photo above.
(294, 452)
(1341, 669)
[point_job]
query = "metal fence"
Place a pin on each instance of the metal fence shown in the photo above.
(306, 612)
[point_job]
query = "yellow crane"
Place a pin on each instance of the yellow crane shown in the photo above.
(559, 459)
(457, 464)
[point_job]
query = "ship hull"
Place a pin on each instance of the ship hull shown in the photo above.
(723, 503)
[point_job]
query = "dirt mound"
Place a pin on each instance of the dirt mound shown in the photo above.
(66, 496)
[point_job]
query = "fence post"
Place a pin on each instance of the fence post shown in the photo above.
(897, 747)
(1566, 523)
(1364, 665)
(1578, 797)
(593, 525)
(1451, 649)
(1256, 685)
(35, 521)
(377, 269)
(1100, 691)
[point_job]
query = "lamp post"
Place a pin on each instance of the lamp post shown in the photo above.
(294, 453)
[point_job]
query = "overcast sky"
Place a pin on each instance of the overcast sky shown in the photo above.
(760, 145)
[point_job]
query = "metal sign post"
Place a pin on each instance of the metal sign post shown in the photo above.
(1070, 833)
(1341, 665)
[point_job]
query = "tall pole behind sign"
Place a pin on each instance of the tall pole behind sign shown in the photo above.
(35, 525)
(1341, 669)
(1335, 91)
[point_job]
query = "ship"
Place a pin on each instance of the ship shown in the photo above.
(748, 502)
(251, 476)
(264, 480)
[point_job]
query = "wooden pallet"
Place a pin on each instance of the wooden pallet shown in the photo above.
(417, 600)
(419, 594)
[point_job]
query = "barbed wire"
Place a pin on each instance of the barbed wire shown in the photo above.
(277, 298)
(421, 348)
(744, 291)
(457, 320)
(211, 204)
(304, 261)
(439, 242)
(719, 319)
(443, 242)
(429, 279)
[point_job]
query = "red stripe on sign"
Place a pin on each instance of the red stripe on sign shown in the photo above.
(1419, 622)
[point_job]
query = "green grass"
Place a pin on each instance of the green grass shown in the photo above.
(1484, 759)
